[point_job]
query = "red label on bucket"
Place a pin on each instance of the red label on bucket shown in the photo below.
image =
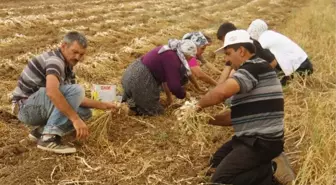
(105, 87)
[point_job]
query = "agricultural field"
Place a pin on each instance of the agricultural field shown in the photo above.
(159, 150)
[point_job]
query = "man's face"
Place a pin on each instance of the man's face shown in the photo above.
(235, 57)
(73, 52)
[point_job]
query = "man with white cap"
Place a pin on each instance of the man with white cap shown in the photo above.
(256, 114)
(290, 56)
(265, 54)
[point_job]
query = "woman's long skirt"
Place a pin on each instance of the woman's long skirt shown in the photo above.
(141, 90)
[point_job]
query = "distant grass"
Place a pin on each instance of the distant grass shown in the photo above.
(310, 104)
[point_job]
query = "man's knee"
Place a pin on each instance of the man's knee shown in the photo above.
(215, 160)
(73, 90)
(221, 178)
(223, 175)
(220, 154)
(78, 89)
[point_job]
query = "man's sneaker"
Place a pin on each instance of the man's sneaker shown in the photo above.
(54, 144)
(35, 134)
(284, 173)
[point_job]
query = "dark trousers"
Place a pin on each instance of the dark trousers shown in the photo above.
(305, 68)
(245, 161)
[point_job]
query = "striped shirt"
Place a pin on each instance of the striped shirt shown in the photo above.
(258, 109)
(33, 76)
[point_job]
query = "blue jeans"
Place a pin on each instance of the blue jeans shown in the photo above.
(38, 110)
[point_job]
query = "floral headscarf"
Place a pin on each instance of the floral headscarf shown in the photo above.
(182, 47)
(197, 37)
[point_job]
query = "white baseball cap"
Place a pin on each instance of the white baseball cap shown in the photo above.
(235, 37)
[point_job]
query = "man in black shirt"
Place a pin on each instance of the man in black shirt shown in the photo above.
(260, 52)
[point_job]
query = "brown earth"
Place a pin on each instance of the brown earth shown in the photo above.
(118, 31)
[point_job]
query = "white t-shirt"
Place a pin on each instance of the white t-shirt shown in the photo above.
(288, 54)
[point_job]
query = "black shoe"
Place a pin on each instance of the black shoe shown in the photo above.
(35, 134)
(54, 144)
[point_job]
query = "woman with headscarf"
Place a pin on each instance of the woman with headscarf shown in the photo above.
(201, 41)
(289, 55)
(164, 65)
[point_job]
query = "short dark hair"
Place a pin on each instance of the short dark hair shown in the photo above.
(249, 46)
(224, 29)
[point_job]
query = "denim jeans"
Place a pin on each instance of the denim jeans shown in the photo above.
(38, 110)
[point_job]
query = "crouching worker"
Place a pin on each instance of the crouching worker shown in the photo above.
(201, 41)
(257, 114)
(165, 66)
(290, 57)
(47, 96)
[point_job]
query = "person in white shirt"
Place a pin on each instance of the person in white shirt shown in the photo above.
(290, 56)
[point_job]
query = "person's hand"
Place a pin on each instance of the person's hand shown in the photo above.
(198, 108)
(169, 101)
(82, 131)
(222, 119)
(112, 106)
(203, 90)
(124, 108)
(187, 96)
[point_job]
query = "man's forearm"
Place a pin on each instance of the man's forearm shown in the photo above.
(210, 99)
(93, 104)
(220, 93)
